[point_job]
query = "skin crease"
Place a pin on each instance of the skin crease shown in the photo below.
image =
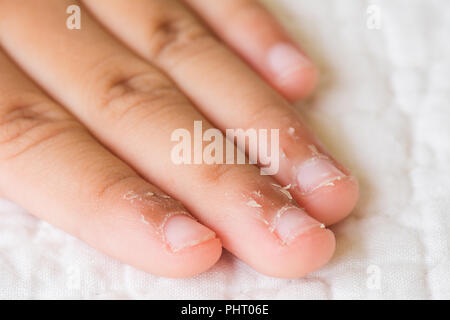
(130, 77)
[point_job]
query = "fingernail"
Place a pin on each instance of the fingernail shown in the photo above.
(182, 232)
(316, 173)
(294, 222)
(285, 58)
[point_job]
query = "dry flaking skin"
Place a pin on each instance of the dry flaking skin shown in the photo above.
(291, 131)
(315, 153)
(284, 190)
(316, 156)
(252, 203)
(155, 208)
(270, 203)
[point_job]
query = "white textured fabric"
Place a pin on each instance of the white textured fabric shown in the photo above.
(383, 108)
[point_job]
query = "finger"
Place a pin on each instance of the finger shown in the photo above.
(232, 96)
(134, 109)
(254, 33)
(51, 166)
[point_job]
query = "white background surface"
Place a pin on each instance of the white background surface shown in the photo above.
(383, 108)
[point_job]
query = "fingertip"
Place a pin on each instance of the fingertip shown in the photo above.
(193, 247)
(317, 248)
(136, 241)
(291, 71)
(334, 203)
(300, 84)
(181, 231)
(309, 252)
(194, 260)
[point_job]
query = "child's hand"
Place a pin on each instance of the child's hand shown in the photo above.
(134, 73)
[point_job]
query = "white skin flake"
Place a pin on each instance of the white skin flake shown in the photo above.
(291, 131)
(286, 193)
(143, 220)
(313, 149)
(316, 153)
(130, 195)
(257, 193)
(276, 185)
(284, 190)
(253, 204)
(330, 183)
(277, 217)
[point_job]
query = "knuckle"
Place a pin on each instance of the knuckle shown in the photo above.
(243, 10)
(113, 183)
(171, 35)
(139, 95)
(28, 125)
(263, 114)
(216, 175)
(103, 188)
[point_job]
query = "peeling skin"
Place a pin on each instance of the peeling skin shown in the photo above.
(315, 153)
(253, 204)
(291, 131)
(195, 242)
(329, 183)
(276, 220)
(278, 215)
(143, 219)
(313, 149)
(284, 190)
(276, 185)
(257, 193)
(269, 202)
(286, 193)
(130, 196)
(133, 196)
(294, 133)
(155, 209)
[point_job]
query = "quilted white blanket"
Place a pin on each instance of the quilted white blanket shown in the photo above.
(383, 107)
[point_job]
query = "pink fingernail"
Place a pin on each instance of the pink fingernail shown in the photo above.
(285, 59)
(294, 222)
(182, 231)
(316, 173)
